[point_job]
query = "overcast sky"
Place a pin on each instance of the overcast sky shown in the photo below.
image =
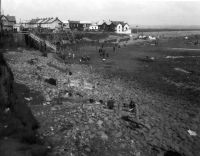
(135, 12)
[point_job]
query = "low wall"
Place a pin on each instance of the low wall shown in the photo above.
(12, 40)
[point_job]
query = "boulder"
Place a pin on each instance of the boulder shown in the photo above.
(110, 104)
(51, 81)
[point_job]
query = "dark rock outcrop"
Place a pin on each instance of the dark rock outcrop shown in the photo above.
(18, 135)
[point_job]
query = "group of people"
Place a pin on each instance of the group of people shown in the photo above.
(103, 53)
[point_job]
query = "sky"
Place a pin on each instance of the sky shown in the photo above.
(135, 12)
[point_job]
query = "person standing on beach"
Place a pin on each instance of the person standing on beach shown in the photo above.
(114, 48)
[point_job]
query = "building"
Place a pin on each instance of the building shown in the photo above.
(48, 23)
(25, 24)
(17, 27)
(85, 25)
(102, 26)
(120, 27)
(75, 25)
(93, 27)
(33, 23)
(53, 23)
(7, 22)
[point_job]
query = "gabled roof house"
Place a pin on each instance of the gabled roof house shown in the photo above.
(7, 22)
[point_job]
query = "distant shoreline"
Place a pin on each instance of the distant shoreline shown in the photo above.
(134, 30)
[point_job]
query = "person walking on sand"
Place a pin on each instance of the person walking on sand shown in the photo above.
(114, 48)
(103, 52)
(100, 52)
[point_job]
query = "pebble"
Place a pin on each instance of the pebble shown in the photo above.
(104, 136)
(137, 154)
(99, 123)
(92, 136)
(118, 135)
(53, 109)
(91, 121)
(123, 145)
(88, 149)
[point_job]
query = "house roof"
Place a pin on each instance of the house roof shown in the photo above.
(100, 22)
(94, 24)
(9, 18)
(43, 20)
(66, 21)
(76, 22)
(25, 21)
(103, 21)
(40, 21)
(53, 19)
(108, 22)
(34, 21)
(118, 22)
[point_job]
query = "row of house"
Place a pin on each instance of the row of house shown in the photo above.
(111, 26)
(50, 23)
(54, 23)
(9, 23)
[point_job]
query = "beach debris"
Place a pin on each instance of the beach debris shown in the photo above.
(7, 110)
(28, 99)
(177, 57)
(172, 153)
(32, 61)
(152, 38)
(101, 101)
(51, 81)
(192, 133)
(91, 100)
(173, 57)
(85, 59)
(103, 135)
(132, 104)
(148, 59)
(182, 70)
(143, 37)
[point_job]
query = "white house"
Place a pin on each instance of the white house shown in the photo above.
(120, 27)
(93, 27)
(126, 27)
(85, 24)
